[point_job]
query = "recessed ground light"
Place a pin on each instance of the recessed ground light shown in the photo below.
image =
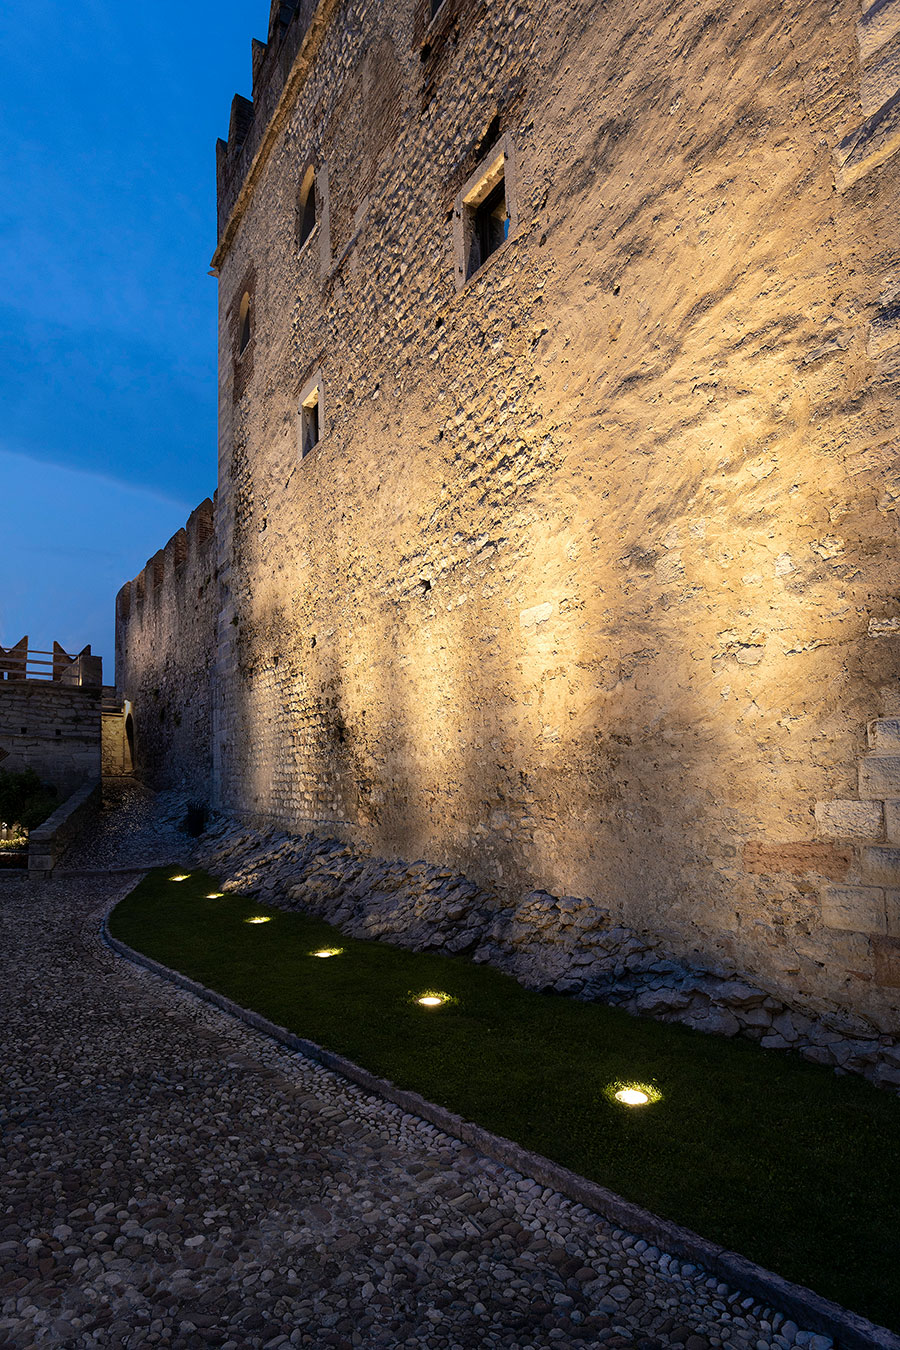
(430, 1001)
(632, 1097)
(259, 918)
(328, 951)
(183, 877)
(215, 895)
(632, 1094)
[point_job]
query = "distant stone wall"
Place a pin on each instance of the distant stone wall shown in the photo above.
(52, 728)
(165, 652)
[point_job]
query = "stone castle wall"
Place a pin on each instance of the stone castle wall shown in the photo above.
(589, 587)
(165, 653)
(52, 728)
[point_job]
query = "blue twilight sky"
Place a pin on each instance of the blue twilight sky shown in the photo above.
(109, 114)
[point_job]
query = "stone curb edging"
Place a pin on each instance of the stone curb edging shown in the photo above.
(848, 1330)
(49, 841)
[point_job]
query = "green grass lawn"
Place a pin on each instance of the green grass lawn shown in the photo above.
(779, 1159)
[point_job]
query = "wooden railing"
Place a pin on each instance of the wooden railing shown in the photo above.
(22, 662)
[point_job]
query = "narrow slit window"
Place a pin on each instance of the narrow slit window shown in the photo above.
(244, 323)
(310, 420)
(306, 208)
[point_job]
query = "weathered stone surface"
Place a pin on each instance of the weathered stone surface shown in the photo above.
(887, 962)
(883, 735)
(850, 820)
(859, 908)
(52, 728)
(879, 776)
(880, 865)
(826, 860)
(892, 913)
(892, 821)
(574, 591)
(165, 653)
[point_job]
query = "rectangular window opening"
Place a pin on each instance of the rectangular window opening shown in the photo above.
(310, 422)
(484, 213)
(489, 226)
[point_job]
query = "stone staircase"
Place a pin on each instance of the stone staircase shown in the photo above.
(871, 903)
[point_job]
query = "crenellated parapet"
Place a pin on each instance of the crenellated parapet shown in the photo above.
(165, 650)
(291, 23)
(163, 576)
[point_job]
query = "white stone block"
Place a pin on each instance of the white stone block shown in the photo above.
(850, 820)
(858, 909)
(881, 865)
(879, 777)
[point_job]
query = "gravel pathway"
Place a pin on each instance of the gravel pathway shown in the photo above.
(170, 1177)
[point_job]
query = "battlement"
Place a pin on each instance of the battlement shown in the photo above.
(189, 544)
(293, 24)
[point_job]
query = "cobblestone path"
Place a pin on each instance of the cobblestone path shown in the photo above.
(169, 1177)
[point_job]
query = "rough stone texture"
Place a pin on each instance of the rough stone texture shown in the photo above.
(568, 945)
(884, 734)
(165, 651)
(169, 1177)
(574, 595)
(857, 908)
(48, 844)
(53, 728)
(116, 750)
(879, 776)
(850, 820)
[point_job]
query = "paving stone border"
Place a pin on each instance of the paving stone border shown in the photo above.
(848, 1330)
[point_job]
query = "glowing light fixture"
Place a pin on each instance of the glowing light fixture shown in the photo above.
(630, 1096)
(184, 876)
(215, 895)
(430, 1001)
(328, 951)
(259, 918)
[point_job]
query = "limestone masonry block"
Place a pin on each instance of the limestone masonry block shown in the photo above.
(860, 909)
(892, 822)
(850, 820)
(881, 865)
(884, 734)
(887, 963)
(892, 913)
(879, 776)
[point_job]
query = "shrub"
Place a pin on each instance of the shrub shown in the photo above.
(24, 799)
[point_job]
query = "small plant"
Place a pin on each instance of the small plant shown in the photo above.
(25, 799)
(195, 819)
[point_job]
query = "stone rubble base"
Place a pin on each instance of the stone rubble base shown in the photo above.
(566, 945)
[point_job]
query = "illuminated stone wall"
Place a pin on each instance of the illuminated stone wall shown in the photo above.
(165, 653)
(576, 591)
